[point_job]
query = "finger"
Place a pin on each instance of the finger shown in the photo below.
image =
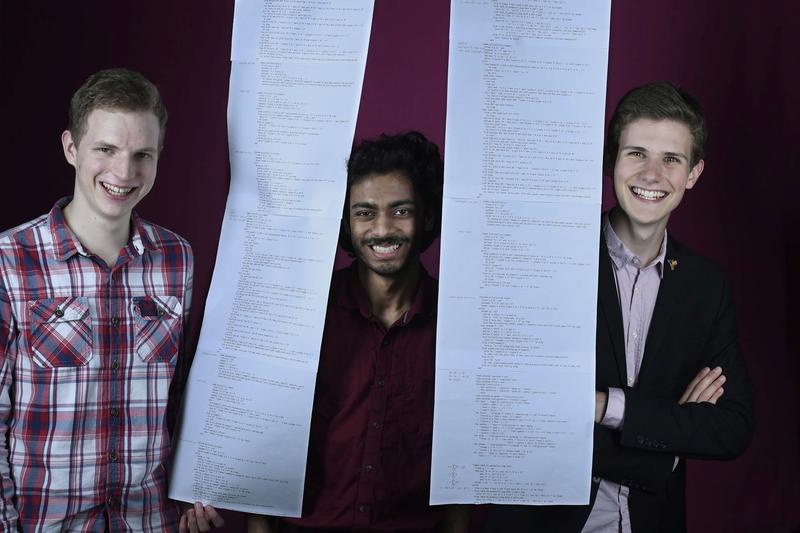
(199, 512)
(191, 521)
(703, 384)
(717, 395)
(690, 387)
(709, 391)
(214, 516)
(182, 526)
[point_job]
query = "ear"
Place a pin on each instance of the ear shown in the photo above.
(694, 174)
(70, 148)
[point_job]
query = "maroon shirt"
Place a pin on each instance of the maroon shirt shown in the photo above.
(369, 458)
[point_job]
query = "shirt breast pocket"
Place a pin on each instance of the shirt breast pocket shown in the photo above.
(60, 331)
(158, 327)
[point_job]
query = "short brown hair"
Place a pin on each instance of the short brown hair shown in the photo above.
(115, 88)
(656, 101)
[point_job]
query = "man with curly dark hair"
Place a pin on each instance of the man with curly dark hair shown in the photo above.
(370, 448)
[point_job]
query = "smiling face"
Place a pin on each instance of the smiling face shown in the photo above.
(115, 164)
(652, 171)
(385, 217)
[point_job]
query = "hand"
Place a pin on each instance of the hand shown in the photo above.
(705, 387)
(200, 518)
(261, 524)
(456, 519)
(600, 403)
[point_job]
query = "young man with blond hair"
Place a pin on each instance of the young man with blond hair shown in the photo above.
(93, 305)
(671, 379)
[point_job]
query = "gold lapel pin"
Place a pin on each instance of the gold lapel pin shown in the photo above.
(673, 263)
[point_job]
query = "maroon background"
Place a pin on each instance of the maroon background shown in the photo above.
(741, 60)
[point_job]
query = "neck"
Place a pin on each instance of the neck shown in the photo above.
(644, 240)
(390, 296)
(103, 238)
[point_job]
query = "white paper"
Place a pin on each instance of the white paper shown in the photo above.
(295, 87)
(514, 407)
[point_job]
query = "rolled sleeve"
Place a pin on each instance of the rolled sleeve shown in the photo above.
(615, 409)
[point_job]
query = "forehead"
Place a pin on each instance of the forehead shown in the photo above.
(657, 135)
(139, 126)
(379, 188)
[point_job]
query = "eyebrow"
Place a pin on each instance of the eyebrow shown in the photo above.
(643, 149)
(372, 205)
(676, 154)
(106, 144)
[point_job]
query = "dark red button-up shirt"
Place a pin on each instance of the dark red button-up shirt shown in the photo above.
(370, 448)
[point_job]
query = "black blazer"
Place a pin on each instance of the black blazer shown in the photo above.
(693, 326)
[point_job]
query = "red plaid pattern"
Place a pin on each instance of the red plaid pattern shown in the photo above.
(87, 356)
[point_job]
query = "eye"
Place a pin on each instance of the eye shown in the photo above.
(144, 156)
(403, 211)
(103, 149)
(362, 213)
(636, 153)
(672, 159)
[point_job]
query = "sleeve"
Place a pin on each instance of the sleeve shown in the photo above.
(615, 409)
(639, 469)
(8, 513)
(701, 430)
(185, 352)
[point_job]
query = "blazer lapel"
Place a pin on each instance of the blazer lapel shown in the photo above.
(608, 307)
(667, 301)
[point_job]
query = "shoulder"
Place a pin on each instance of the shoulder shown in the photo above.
(163, 238)
(697, 270)
(34, 234)
(695, 262)
(23, 229)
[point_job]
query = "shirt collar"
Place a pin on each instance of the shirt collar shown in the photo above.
(621, 255)
(66, 243)
(348, 292)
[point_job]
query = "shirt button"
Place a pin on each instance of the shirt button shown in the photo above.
(111, 501)
(115, 321)
(376, 425)
(59, 313)
(368, 468)
(114, 411)
(112, 456)
(115, 365)
(630, 382)
(381, 383)
(385, 342)
(363, 508)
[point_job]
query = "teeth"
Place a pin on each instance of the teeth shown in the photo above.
(648, 195)
(117, 191)
(385, 249)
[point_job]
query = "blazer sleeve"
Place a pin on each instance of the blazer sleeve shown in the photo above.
(632, 467)
(702, 430)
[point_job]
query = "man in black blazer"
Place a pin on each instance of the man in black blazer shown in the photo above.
(671, 380)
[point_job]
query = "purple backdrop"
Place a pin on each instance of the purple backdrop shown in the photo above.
(741, 61)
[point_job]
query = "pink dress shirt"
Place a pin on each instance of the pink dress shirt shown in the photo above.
(637, 288)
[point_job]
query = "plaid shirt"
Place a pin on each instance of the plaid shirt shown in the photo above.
(87, 356)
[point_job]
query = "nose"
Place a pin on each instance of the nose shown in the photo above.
(123, 167)
(652, 170)
(383, 225)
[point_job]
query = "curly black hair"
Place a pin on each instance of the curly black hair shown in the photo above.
(410, 153)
